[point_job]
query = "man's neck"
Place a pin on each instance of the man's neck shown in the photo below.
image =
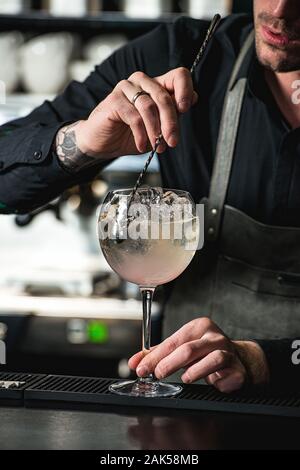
(285, 88)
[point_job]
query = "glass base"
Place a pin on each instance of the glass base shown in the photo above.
(149, 388)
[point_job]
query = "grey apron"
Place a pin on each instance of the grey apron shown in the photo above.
(247, 276)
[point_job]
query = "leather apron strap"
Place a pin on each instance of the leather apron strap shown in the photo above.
(226, 145)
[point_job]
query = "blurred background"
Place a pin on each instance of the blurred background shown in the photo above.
(62, 309)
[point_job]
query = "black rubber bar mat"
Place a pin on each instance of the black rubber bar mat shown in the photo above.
(13, 385)
(88, 390)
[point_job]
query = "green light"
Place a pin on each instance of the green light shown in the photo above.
(97, 332)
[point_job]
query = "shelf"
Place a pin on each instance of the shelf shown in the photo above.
(106, 21)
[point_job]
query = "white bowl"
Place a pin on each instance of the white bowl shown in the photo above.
(80, 69)
(67, 8)
(11, 6)
(101, 47)
(45, 62)
(9, 60)
(208, 8)
(146, 8)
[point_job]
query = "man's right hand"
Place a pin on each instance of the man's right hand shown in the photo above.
(118, 127)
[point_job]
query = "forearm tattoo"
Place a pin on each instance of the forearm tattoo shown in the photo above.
(68, 151)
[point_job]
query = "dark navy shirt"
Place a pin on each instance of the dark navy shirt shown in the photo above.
(266, 170)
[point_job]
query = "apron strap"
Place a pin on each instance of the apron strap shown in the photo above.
(226, 144)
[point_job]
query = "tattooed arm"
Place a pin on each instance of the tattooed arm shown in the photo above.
(70, 152)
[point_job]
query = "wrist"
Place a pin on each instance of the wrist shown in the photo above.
(69, 151)
(254, 360)
(83, 139)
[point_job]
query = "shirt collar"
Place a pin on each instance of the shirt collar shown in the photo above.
(259, 88)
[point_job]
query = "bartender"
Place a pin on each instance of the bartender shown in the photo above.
(234, 317)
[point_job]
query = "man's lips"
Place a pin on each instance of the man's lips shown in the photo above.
(275, 38)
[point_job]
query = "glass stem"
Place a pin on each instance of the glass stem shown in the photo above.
(147, 297)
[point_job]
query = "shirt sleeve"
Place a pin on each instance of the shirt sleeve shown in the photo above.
(283, 357)
(30, 174)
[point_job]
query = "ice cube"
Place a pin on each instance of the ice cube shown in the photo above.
(156, 195)
(170, 198)
(147, 195)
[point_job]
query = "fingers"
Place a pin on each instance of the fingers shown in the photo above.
(164, 103)
(191, 331)
(179, 82)
(169, 94)
(126, 112)
(134, 361)
(181, 357)
(147, 109)
(186, 355)
(195, 98)
(202, 349)
(149, 363)
(227, 380)
(221, 374)
(213, 362)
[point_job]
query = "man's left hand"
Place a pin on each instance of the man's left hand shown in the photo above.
(204, 352)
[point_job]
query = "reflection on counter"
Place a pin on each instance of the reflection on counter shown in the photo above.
(157, 432)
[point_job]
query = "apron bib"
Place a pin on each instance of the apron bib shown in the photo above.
(247, 276)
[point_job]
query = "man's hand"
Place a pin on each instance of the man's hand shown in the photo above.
(205, 352)
(118, 127)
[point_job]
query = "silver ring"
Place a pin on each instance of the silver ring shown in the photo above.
(138, 94)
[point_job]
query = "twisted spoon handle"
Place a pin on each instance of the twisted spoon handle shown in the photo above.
(210, 32)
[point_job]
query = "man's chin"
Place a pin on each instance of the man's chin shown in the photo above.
(272, 63)
(275, 59)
